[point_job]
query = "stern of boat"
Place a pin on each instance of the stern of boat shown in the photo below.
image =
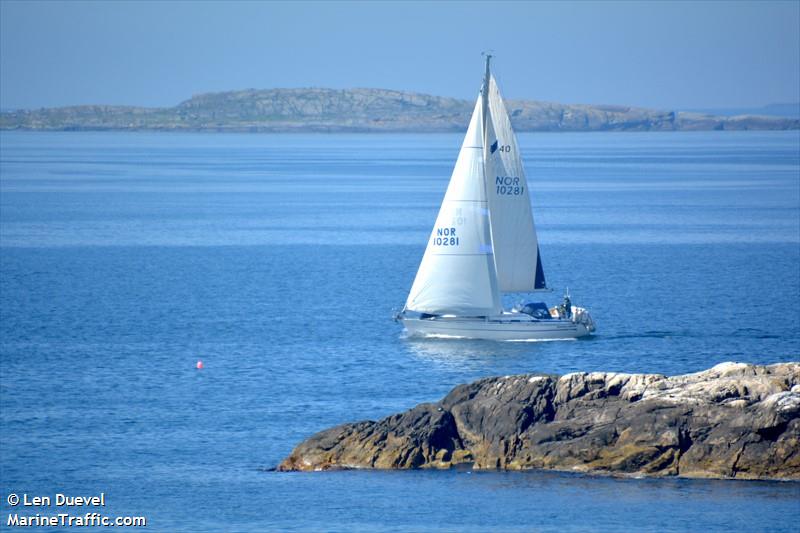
(581, 316)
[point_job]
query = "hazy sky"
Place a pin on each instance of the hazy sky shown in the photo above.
(663, 55)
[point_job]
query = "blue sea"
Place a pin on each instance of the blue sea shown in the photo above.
(277, 261)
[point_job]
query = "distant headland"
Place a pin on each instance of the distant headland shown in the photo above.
(366, 110)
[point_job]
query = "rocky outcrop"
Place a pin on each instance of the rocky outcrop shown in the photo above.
(732, 421)
(366, 110)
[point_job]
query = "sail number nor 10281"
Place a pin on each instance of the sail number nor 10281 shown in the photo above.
(445, 237)
(508, 186)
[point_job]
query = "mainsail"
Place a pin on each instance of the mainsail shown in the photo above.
(457, 273)
(516, 250)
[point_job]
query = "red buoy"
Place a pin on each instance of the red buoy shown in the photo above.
(199, 365)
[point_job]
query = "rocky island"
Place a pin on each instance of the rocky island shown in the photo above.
(734, 420)
(366, 110)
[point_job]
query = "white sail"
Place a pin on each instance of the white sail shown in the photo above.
(456, 275)
(516, 250)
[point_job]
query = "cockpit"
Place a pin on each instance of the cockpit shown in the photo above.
(536, 310)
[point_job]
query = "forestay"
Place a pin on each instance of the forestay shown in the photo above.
(516, 250)
(457, 273)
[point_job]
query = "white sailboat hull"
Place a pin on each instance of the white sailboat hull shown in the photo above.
(496, 328)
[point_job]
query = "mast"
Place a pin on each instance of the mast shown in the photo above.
(485, 136)
(485, 159)
(485, 95)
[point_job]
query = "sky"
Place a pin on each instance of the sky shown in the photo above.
(666, 55)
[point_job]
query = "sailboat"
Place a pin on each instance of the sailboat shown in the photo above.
(484, 245)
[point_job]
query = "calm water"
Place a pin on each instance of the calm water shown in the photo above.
(277, 260)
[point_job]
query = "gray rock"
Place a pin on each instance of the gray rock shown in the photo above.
(732, 421)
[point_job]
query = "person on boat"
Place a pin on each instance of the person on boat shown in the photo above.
(567, 307)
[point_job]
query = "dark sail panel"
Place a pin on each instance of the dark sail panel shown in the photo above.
(540, 283)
